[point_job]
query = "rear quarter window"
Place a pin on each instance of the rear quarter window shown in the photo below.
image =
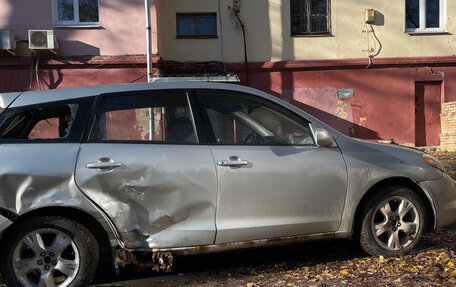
(61, 121)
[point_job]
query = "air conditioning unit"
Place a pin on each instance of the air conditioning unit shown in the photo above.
(42, 40)
(7, 41)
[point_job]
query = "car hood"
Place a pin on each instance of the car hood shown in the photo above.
(386, 159)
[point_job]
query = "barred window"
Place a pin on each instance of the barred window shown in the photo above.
(310, 17)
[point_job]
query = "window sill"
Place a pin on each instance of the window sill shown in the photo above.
(427, 32)
(78, 26)
(312, 35)
(196, 37)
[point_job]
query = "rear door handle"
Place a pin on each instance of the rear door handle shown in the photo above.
(232, 161)
(103, 165)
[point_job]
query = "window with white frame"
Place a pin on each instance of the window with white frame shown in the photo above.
(76, 12)
(423, 16)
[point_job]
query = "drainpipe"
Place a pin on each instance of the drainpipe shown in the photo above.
(149, 42)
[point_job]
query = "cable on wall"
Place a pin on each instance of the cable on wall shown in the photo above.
(375, 51)
(238, 23)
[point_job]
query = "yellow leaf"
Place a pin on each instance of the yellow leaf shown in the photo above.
(251, 284)
(345, 272)
(381, 259)
(443, 256)
(453, 274)
(450, 264)
(414, 270)
(290, 284)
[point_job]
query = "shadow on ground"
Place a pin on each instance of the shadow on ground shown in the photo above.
(196, 270)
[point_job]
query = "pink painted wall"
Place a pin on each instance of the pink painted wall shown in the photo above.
(383, 106)
(122, 30)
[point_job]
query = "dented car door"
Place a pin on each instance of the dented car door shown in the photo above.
(143, 164)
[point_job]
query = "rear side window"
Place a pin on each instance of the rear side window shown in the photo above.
(149, 117)
(56, 122)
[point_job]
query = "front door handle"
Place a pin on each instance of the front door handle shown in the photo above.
(232, 161)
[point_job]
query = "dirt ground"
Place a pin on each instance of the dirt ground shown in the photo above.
(433, 263)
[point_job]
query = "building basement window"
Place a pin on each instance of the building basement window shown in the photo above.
(77, 12)
(310, 17)
(196, 25)
(424, 16)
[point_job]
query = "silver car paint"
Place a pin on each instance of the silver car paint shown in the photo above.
(7, 98)
(281, 192)
(40, 175)
(34, 179)
(161, 196)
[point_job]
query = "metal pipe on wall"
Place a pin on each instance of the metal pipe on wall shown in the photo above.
(149, 41)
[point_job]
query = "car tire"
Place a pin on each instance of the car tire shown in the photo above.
(50, 249)
(393, 222)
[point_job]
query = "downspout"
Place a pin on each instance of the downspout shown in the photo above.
(149, 64)
(149, 42)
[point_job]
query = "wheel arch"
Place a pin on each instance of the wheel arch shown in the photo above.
(84, 218)
(398, 181)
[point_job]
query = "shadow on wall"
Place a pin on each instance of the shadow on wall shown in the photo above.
(344, 126)
(78, 45)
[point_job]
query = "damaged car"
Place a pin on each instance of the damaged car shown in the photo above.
(100, 172)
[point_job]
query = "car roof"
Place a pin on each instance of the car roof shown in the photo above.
(36, 97)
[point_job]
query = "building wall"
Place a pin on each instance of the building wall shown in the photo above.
(16, 75)
(268, 32)
(448, 137)
(383, 105)
(122, 28)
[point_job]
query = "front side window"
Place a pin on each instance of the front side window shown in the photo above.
(248, 120)
(196, 25)
(424, 16)
(56, 122)
(152, 117)
(77, 12)
(310, 17)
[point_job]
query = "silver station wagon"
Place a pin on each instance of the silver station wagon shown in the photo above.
(106, 171)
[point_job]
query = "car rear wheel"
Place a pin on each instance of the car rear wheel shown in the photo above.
(49, 251)
(394, 220)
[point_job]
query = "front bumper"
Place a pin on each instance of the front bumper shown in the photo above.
(443, 194)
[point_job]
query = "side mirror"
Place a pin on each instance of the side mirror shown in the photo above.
(324, 139)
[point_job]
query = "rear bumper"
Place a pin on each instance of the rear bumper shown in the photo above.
(443, 193)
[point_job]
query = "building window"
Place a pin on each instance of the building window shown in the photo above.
(310, 17)
(422, 16)
(196, 25)
(76, 12)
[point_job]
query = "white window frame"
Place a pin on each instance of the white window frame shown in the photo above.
(75, 22)
(422, 29)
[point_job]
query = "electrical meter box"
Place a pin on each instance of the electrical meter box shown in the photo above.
(369, 16)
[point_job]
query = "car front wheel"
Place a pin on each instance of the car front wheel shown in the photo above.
(49, 251)
(394, 220)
